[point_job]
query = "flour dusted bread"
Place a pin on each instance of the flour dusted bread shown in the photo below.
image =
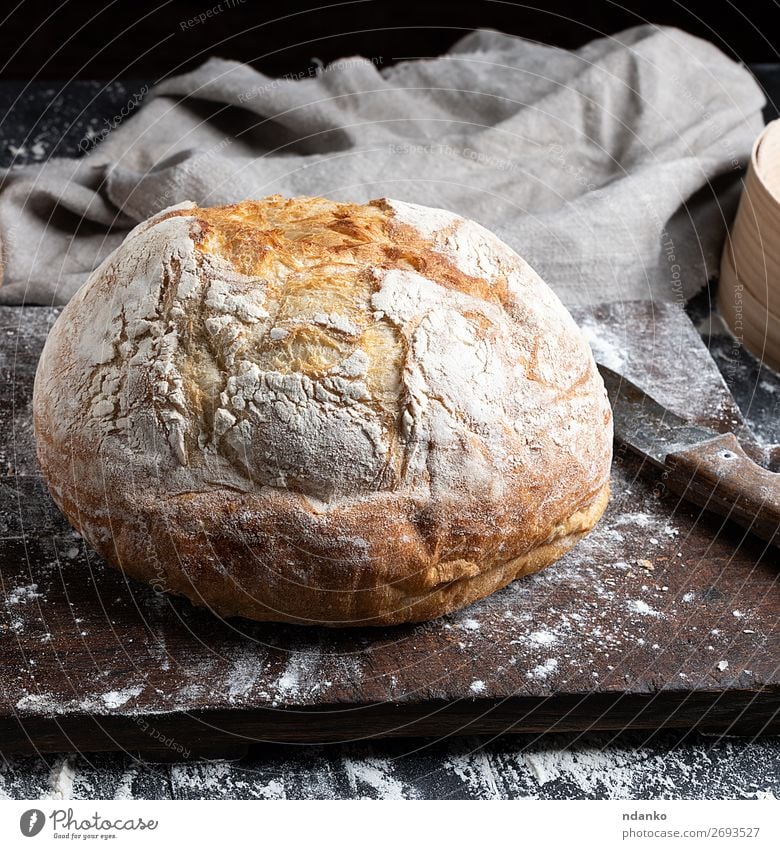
(324, 413)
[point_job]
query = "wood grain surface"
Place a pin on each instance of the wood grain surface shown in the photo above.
(662, 617)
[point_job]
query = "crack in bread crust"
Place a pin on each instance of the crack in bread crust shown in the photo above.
(297, 409)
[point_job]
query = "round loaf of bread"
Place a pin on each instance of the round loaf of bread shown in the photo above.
(322, 413)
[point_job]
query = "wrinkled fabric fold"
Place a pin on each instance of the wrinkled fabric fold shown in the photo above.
(614, 169)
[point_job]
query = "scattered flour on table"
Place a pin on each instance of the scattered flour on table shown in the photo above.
(61, 778)
(592, 770)
(561, 766)
(476, 772)
(378, 775)
(124, 787)
(219, 779)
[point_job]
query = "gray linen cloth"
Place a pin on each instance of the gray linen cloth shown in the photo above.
(613, 169)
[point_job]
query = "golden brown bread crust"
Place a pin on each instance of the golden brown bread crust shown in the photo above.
(261, 408)
(198, 547)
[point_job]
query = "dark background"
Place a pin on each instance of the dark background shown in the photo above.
(105, 39)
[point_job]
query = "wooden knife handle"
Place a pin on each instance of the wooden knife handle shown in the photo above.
(718, 476)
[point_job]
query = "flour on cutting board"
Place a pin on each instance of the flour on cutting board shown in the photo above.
(300, 675)
(22, 595)
(117, 698)
(621, 601)
(642, 607)
(48, 704)
(20, 606)
(245, 669)
(543, 670)
(686, 391)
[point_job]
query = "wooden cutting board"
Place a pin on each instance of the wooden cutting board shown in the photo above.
(661, 617)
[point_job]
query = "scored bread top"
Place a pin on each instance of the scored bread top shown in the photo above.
(331, 350)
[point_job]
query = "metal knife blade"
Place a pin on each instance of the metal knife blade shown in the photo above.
(644, 425)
